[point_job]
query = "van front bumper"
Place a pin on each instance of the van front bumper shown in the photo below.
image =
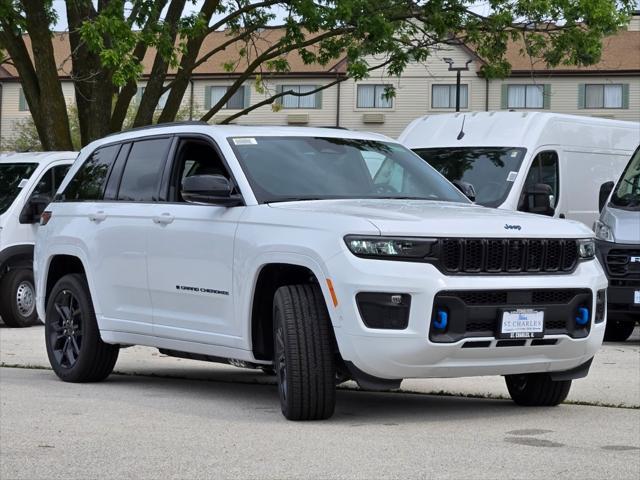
(411, 353)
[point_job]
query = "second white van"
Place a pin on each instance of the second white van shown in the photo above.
(537, 162)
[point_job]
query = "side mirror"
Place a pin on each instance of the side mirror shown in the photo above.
(605, 191)
(33, 209)
(466, 188)
(211, 189)
(538, 199)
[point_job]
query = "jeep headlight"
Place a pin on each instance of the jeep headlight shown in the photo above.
(587, 248)
(390, 247)
(603, 231)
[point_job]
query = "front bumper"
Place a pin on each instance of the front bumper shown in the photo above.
(624, 280)
(409, 353)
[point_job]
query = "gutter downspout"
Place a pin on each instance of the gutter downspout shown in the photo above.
(191, 99)
(338, 103)
(486, 94)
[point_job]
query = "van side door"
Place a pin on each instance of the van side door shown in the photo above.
(191, 251)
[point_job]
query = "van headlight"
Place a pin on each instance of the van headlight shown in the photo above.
(603, 231)
(390, 247)
(587, 248)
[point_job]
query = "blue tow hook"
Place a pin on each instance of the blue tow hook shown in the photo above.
(583, 316)
(441, 322)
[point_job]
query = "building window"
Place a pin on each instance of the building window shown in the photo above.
(525, 96)
(373, 96)
(22, 102)
(444, 96)
(603, 96)
(214, 94)
(307, 101)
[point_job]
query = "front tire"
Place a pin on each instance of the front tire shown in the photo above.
(537, 389)
(76, 351)
(618, 330)
(303, 350)
(18, 298)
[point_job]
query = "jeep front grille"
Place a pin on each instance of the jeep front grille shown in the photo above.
(505, 256)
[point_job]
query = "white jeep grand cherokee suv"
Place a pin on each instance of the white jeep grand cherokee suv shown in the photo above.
(321, 253)
(28, 182)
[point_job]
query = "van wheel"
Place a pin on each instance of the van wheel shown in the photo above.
(18, 298)
(76, 351)
(537, 389)
(303, 349)
(618, 330)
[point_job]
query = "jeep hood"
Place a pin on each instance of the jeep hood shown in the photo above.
(422, 218)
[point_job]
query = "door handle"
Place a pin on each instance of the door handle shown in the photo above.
(164, 219)
(97, 216)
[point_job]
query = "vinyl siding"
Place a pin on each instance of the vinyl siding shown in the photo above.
(413, 92)
(12, 117)
(265, 115)
(564, 95)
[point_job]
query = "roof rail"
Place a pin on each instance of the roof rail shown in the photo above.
(159, 125)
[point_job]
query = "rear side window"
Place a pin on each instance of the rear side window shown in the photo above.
(143, 171)
(88, 183)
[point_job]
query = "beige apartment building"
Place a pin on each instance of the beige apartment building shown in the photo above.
(609, 89)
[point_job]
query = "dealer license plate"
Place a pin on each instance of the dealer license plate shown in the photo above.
(636, 297)
(522, 323)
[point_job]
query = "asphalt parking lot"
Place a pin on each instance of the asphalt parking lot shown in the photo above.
(172, 418)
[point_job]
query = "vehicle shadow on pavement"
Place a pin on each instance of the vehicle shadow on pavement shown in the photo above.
(353, 407)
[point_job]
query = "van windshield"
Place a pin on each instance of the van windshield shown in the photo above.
(491, 170)
(627, 192)
(282, 169)
(11, 175)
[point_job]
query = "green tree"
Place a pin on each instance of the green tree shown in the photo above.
(109, 39)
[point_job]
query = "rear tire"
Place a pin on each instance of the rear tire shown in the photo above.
(618, 330)
(303, 350)
(18, 298)
(537, 389)
(76, 351)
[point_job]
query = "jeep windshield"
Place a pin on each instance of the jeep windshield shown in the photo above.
(282, 169)
(627, 192)
(11, 175)
(491, 170)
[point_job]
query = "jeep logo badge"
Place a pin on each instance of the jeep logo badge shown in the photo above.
(512, 227)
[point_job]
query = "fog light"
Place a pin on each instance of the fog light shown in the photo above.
(583, 316)
(384, 310)
(442, 319)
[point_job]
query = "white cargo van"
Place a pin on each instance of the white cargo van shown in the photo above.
(536, 162)
(28, 182)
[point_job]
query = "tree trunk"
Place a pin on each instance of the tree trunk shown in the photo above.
(39, 78)
(183, 75)
(93, 83)
(154, 86)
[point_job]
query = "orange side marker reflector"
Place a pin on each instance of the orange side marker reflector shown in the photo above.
(332, 292)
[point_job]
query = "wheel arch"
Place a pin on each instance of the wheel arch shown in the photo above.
(16, 256)
(269, 277)
(59, 264)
